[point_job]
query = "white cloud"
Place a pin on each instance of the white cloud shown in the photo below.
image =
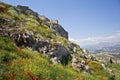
(95, 40)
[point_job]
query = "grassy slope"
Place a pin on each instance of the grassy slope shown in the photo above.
(21, 63)
(116, 68)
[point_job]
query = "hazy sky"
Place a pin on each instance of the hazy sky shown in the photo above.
(87, 21)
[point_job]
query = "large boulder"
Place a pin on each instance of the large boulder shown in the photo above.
(61, 53)
(56, 52)
(22, 37)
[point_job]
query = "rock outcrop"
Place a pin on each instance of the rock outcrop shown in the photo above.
(80, 65)
(55, 27)
(23, 37)
(58, 30)
(14, 28)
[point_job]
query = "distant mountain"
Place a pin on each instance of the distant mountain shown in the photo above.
(105, 47)
(114, 48)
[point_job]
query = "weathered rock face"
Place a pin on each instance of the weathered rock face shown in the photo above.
(56, 52)
(42, 46)
(26, 10)
(61, 53)
(58, 30)
(23, 37)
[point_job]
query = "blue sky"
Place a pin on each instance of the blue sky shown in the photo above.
(84, 19)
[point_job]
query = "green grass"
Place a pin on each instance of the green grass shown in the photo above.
(27, 64)
(98, 71)
(116, 68)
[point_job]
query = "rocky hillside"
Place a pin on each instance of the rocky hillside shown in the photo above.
(32, 47)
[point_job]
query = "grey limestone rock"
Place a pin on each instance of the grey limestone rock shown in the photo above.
(58, 30)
